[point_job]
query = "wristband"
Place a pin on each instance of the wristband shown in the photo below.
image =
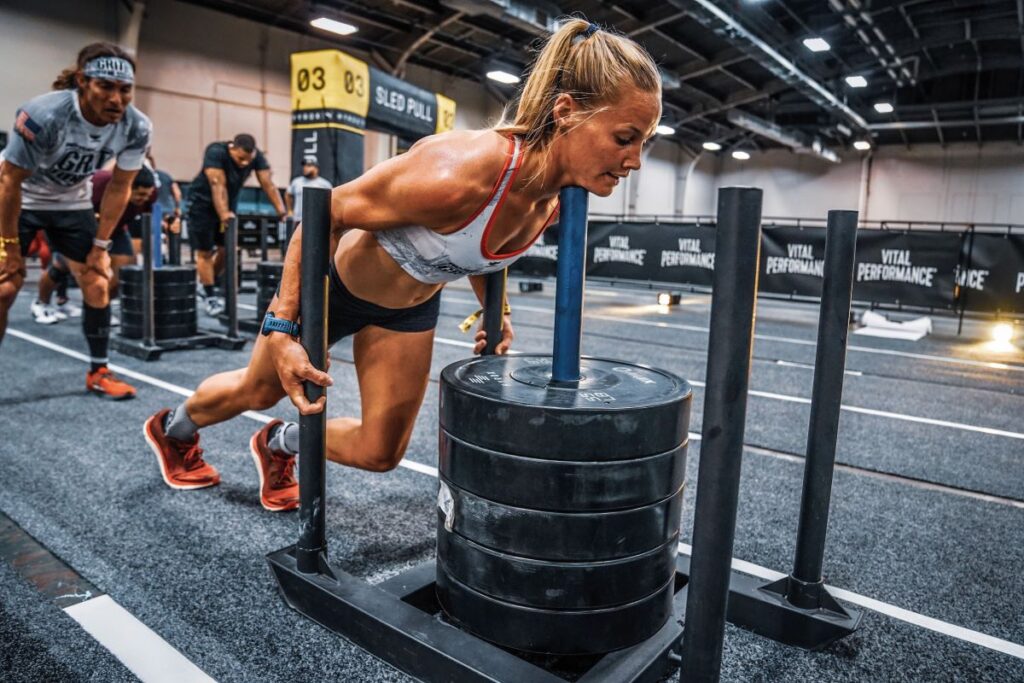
(102, 244)
(271, 323)
(4, 242)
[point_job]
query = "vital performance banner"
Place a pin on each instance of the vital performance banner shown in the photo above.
(792, 260)
(909, 268)
(991, 278)
(914, 268)
(336, 98)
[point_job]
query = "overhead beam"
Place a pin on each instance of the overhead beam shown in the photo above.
(769, 57)
(958, 123)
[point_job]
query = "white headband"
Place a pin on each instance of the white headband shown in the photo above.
(110, 69)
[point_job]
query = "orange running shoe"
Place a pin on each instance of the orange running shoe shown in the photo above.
(105, 384)
(181, 462)
(279, 489)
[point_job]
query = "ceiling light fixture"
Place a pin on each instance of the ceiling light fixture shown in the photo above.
(333, 26)
(856, 81)
(817, 44)
(502, 77)
(711, 146)
(883, 107)
(662, 129)
(862, 145)
(741, 155)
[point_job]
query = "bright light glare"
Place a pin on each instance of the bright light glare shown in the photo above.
(339, 27)
(502, 77)
(883, 107)
(741, 155)
(862, 145)
(1002, 333)
(817, 44)
(711, 146)
(856, 81)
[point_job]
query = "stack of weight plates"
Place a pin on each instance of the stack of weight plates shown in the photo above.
(174, 302)
(268, 277)
(559, 507)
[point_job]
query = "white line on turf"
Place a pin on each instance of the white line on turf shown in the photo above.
(145, 653)
(990, 365)
(942, 627)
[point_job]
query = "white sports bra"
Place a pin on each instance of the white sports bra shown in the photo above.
(433, 258)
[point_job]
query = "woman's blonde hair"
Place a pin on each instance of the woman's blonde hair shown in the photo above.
(591, 64)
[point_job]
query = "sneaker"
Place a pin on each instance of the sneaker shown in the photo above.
(104, 383)
(279, 489)
(181, 462)
(200, 294)
(214, 306)
(69, 309)
(44, 314)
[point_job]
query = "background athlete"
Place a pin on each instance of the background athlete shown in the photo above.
(212, 201)
(58, 142)
(457, 204)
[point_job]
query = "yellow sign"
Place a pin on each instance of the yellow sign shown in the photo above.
(330, 79)
(445, 114)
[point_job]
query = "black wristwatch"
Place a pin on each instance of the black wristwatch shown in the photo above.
(271, 323)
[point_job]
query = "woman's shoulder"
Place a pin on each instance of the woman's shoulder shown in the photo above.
(465, 153)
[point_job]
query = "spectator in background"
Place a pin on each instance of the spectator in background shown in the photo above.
(213, 199)
(310, 178)
(168, 197)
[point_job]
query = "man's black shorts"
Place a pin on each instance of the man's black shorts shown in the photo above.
(69, 232)
(204, 230)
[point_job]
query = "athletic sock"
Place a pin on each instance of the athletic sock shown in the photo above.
(285, 437)
(209, 290)
(96, 326)
(178, 425)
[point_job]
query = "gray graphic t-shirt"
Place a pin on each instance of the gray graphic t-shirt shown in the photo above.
(53, 140)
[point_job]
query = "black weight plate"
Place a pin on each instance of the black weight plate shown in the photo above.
(619, 410)
(547, 484)
(554, 631)
(174, 290)
(165, 275)
(184, 303)
(555, 585)
(164, 332)
(161, 318)
(572, 536)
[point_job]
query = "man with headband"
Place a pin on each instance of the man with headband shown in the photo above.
(58, 142)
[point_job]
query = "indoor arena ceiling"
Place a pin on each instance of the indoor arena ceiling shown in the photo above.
(736, 72)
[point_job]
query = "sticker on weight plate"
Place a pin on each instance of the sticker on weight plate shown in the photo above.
(596, 396)
(447, 505)
(636, 374)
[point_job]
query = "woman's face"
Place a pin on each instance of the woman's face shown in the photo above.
(606, 145)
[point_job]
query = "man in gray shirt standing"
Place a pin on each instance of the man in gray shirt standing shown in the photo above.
(310, 178)
(59, 141)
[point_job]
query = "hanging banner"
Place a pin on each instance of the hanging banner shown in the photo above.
(336, 98)
(330, 100)
(991, 278)
(686, 254)
(792, 261)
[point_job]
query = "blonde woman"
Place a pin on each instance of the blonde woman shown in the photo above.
(463, 203)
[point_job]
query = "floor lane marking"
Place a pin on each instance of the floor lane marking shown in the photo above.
(138, 647)
(942, 627)
(989, 365)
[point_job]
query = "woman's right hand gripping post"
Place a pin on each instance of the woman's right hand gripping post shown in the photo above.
(293, 368)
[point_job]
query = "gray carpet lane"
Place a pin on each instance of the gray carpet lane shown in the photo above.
(42, 643)
(154, 548)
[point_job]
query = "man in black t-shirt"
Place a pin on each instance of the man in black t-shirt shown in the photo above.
(213, 197)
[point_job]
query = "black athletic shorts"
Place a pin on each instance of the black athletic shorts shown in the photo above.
(347, 313)
(204, 230)
(69, 232)
(121, 242)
